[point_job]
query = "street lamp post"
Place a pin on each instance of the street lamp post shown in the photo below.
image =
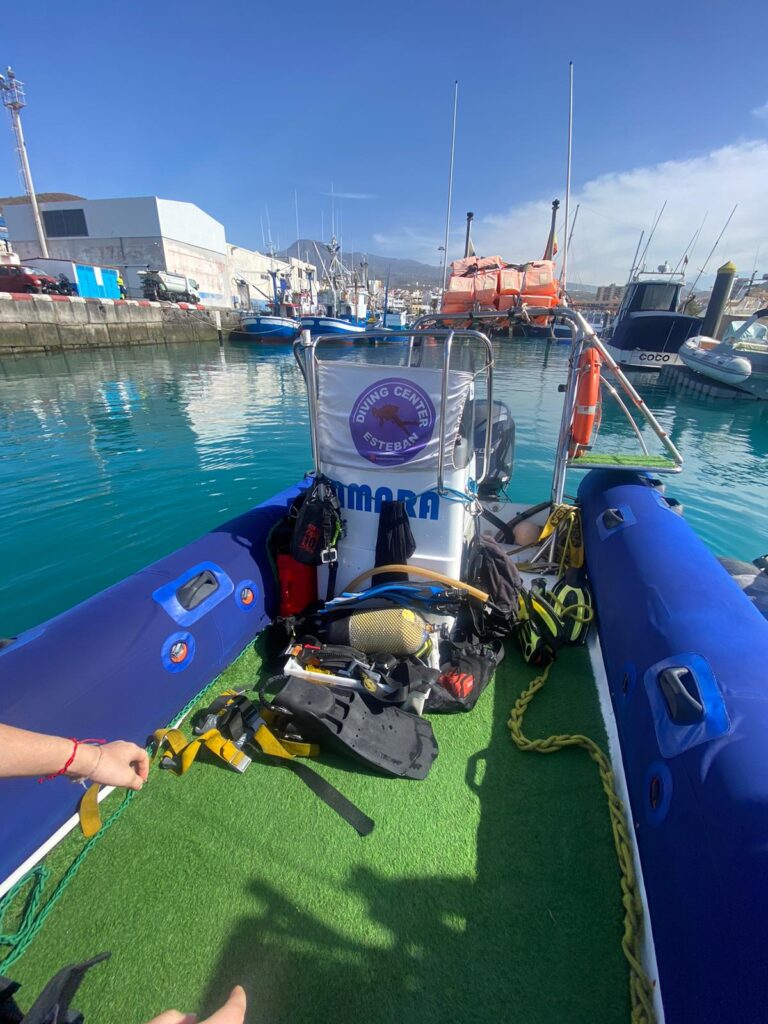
(13, 98)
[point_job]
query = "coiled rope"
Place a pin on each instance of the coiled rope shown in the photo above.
(36, 912)
(641, 990)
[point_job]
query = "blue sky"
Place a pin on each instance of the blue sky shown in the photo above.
(236, 105)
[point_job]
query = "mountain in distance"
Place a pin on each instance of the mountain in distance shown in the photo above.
(403, 274)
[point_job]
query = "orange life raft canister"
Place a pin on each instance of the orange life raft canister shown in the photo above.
(587, 399)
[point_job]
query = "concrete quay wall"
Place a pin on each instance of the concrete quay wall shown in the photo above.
(52, 323)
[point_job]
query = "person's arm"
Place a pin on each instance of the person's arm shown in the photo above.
(24, 753)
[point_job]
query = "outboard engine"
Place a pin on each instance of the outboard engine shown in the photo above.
(502, 453)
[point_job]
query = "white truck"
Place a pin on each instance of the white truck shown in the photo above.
(159, 285)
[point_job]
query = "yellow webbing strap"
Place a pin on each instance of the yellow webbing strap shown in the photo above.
(640, 988)
(566, 518)
(173, 743)
(88, 811)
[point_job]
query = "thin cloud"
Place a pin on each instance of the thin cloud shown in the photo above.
(761, 112)
(349, 195)
(614, 208)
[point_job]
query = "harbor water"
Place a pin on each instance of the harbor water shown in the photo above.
(112, 458)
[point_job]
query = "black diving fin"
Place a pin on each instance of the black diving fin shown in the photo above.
(382, 736)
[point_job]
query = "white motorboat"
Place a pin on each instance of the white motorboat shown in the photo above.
(740, 359)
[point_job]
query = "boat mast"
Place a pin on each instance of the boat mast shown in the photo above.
(450, 181)
(468, 239)
(564, 270)
(386, 294)
(549, 248)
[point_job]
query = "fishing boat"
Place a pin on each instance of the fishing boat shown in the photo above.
(484, 889)
(649, 327)
(343, 303)
(268, 327)
(326, 325)
(279, 322)
(740, 359)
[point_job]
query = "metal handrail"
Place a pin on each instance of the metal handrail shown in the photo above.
(582, 334)
(305, 352)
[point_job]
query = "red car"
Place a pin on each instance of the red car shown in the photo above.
(26, 279)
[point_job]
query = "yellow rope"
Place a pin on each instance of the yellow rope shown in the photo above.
(641, 990)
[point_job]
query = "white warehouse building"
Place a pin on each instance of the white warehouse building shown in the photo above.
(131, 235)
(146, 232)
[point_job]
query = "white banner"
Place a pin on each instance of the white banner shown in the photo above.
(386, 416)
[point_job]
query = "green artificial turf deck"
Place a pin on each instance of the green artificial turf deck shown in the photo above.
(487, 893)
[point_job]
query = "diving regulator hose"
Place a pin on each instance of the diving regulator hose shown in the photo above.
(416, 570)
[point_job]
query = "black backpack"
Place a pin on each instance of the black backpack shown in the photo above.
(318, 525)
(491, 569)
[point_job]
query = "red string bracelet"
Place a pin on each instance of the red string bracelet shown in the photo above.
(62, 771)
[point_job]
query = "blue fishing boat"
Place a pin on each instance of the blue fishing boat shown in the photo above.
(267, 327)
(278, 322)
(409, 461)
(337, 326)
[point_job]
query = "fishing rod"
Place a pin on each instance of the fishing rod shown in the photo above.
(691, 245)
(653, 232)
(564, 268)
(572, 224)
(754, 274)
(711, 253)
(634, 258)
(450, 181)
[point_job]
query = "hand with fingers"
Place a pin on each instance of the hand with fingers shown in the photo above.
(232, 1012)
(120, 764)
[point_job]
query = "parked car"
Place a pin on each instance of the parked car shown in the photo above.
(14, 278)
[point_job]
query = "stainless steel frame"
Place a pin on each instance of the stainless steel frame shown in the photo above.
(581, 334)
(305, 351)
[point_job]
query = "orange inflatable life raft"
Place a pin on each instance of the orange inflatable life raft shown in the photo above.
(587, 407)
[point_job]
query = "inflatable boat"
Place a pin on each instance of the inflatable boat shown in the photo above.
(677, 660)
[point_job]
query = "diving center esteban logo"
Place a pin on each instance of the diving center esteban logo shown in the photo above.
(391, 421)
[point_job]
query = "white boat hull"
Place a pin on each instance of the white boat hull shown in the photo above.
(644, 359)
(718, 362)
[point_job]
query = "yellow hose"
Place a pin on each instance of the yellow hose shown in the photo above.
(416, 570)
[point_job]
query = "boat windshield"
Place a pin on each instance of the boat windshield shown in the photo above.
(755, 332)
(656, 296)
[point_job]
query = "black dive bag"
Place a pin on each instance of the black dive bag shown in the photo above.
(318, 525)
(490, 568)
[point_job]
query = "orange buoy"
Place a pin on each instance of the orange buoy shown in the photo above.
(587, 400)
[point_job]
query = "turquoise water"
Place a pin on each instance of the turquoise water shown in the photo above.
(111, 459)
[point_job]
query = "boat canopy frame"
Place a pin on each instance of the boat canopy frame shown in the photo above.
(305, 350)
(582, 336)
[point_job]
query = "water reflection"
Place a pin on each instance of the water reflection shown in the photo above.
(109, 459)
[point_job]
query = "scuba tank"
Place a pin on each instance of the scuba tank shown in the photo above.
(398, 631)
